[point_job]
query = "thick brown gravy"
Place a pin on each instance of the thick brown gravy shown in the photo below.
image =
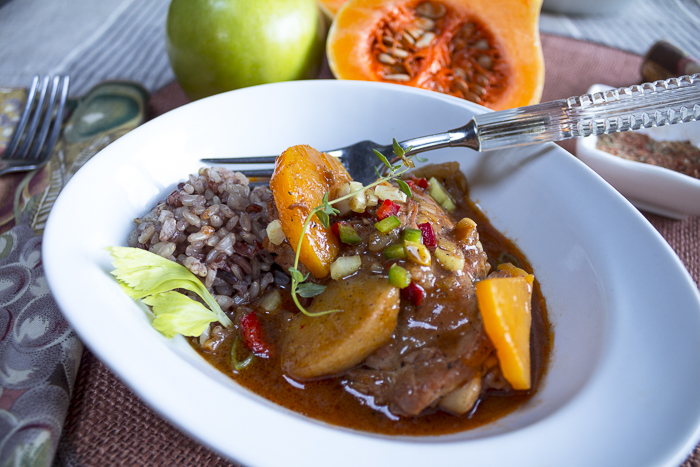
(328, 400)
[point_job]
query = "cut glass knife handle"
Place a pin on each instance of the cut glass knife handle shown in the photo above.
(646, 105)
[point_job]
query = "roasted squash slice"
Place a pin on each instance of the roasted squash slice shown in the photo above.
(504, 304)
(301, 177)
(485, 51)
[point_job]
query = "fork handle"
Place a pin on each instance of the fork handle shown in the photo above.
(667, 102)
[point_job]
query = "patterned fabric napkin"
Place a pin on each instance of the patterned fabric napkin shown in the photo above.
(39, 352)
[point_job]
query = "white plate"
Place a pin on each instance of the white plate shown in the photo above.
(650, 188)
(622, 388)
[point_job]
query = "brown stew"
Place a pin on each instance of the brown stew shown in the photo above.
(340, 400)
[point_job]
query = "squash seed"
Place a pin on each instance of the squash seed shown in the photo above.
(459, 73)
(484, 61)
(470, 96)
(414, 31)
(482, 79)
(388, 40)
(426, 24)
(399, 53)
(431, 10)
(386, 59)
(425, 40)
(482, 44)
(408, 40)
(397, 77)
(478, 90)
(461, 85)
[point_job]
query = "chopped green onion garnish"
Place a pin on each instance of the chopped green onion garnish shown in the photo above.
(395, 251)
(441, 195)
(388, 224)
(398, 276)
(412, 235)
(348, 234)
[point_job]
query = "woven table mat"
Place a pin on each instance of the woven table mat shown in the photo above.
(108, 425)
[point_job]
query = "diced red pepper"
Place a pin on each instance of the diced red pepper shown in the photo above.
(429, 239)
(388, 208)
(414, 293)
(421, 182)
(411, 184)
(253, 337)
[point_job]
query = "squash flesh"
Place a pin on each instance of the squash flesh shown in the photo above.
(301, 177)
(504, 303)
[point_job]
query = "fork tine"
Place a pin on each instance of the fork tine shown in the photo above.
(19, 131)
(29, 137)
(38, 143)
(58, 121)
(262, 173)
(35, 150)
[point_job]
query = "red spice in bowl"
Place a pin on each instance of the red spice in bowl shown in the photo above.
(680, 156)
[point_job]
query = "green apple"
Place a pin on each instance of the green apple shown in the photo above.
(219, 45)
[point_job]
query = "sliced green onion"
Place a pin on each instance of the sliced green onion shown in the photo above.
(395, 251)
(399, 277)
(239, 365)
(441, 195)
(348, 234)
(412, 235)
(388, 224)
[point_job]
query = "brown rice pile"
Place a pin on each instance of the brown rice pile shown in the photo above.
(214, 224)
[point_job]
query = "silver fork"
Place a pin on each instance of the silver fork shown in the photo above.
(668, 102)
(39, 126)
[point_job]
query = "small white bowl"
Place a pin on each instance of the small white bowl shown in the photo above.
(650, 188)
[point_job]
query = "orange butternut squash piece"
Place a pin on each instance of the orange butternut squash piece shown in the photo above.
(301, 177)
(504, 303)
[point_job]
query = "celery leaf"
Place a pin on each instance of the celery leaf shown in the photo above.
(176, 313)
(142, 274)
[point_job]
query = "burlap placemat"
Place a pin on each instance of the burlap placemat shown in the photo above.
(108, 425)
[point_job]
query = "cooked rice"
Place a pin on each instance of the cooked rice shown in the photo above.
(215, 225)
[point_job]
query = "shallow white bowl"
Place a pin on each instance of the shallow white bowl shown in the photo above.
(622, 385)
(650, 188)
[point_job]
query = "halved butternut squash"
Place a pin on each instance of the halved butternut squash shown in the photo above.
(486, 51)
(301, 177)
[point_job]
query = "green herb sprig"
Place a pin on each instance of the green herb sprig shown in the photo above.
(326, 209)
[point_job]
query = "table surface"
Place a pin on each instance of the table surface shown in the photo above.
(123, 39)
